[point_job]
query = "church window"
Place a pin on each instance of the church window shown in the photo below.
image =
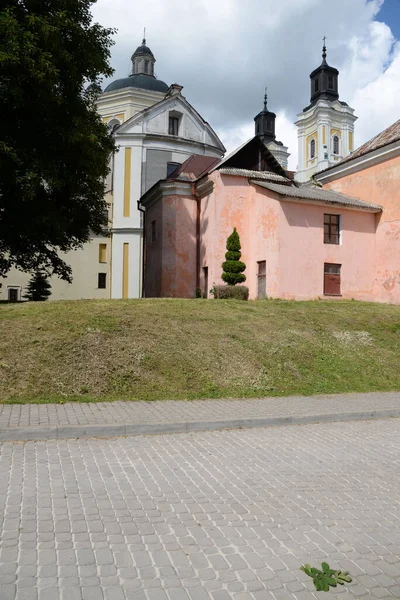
(331, 229)
(173, 126)
(335, 144)
(269, 125)
(330, 82)
(171, 166)
(316, 85)
(146, 66)
(312, 148)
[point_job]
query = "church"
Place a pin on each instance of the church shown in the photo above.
(329, 229)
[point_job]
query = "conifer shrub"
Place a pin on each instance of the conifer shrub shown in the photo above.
(233, 267)
(38, 288)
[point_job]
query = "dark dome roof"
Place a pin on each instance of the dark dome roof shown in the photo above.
(144, 82)
(143, 49)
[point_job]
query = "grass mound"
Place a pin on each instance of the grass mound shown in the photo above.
(178, 349)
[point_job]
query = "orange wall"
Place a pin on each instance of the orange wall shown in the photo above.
(380, 184)
(170, 270)
(289, 237)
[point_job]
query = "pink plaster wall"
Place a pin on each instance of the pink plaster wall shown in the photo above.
(171, 261)
(380, 184)
(289, 237)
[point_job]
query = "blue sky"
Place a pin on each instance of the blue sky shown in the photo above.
(390, 14)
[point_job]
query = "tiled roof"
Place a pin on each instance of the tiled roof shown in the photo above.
(263, 175)
(384, 138)
(319, 195)
(194, 167)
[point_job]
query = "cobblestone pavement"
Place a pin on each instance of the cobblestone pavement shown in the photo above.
(202, 516)
(168, 411)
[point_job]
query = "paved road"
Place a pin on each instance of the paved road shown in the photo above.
(202, 516)
(73, 419)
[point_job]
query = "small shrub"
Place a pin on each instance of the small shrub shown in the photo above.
(198, 293)
(235, 292)
(38, 288)
(233, 267)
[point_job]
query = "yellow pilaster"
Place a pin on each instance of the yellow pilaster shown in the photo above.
(351, 141)
(127, 183)
(125, 271)
(324, 134)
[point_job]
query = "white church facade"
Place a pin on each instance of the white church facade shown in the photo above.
(155, 129)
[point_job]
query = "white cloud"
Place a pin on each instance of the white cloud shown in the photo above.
(225, 51)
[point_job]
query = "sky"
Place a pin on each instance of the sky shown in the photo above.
(224, 53)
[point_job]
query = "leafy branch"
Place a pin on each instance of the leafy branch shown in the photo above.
(326, 578)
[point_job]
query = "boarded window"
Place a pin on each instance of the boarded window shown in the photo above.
(312, 148)
(153, 231)
(13, 294)
(316, 85)
(331, 229)
(102, 281)
(332, 279)
(102, 253)
(335, 144)
(261, 279)
(173, 126)
(330, 82)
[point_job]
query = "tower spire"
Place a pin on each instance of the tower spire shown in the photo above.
(324, 49)
(144, 36)
(265, 98)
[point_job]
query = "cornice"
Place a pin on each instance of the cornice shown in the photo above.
(165, 188)
(204, 187)
(361, 162)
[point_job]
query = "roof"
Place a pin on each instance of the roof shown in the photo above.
(384, 138)
(143, 49)
(248, 156)
(141, 81)
(263, 175)
(318, 195)
(193, 168)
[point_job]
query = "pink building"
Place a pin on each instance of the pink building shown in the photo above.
(298, 242)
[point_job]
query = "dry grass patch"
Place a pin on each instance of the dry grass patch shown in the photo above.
(158, 349)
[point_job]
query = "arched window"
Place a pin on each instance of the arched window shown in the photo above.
(335, 144)
(113, 124)
(146, 66)
(312, 148)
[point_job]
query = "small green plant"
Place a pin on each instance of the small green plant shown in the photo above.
(198, 292)
(38, 288)
(233, 267)
(327, 577)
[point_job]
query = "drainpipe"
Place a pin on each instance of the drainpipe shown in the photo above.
(143, 210)
(197, 236)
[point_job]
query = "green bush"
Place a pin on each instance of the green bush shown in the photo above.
(235, 292)
(232, 267)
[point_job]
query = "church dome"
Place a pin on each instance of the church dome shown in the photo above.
(143, 49)
(141, 81)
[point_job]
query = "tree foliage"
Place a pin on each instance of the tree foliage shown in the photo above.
(54, 147)
(233, 267)
(38, 288)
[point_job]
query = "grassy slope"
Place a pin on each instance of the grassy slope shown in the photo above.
(158, 349)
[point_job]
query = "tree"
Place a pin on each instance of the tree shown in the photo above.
(54, 147)
(233, 267)
(38, 288)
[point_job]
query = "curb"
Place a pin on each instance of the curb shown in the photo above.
(14, 434)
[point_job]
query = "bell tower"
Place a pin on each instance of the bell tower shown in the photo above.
(265, 130)
(326, 126)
